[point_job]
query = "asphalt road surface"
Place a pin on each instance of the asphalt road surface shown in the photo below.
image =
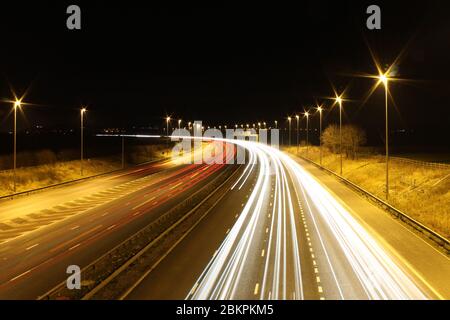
(93, 217)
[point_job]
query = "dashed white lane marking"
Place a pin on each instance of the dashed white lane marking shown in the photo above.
(111, 227)
(20, 275)
(316, 269)
(255, 292)
(31, 247)
(227, 231)
(74, 227)
(143, 203)
(262, 253)
(105, 214)
(267, 230)
(136, 213)
(194, 288)
(237, 215)
(75, 246)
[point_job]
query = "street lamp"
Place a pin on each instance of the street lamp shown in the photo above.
(307, 130)
(298, 133)
(167, 125)
(17, 104)
(339, 101)
(276, 124)
(384, 78)
(320, 132)
(82, 112)
(289, 119)
(179, 124)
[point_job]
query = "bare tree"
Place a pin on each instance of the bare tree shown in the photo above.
(352, 138)
(330, 138)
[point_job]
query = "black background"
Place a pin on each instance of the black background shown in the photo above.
(133, 62)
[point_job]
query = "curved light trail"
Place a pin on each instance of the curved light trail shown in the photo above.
(281, 186)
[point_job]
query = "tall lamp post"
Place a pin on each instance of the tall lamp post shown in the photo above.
(320, 132)
(307, 132)
(17, 104)
(339, 101)
(167, 125)
(82, 112)
(179, 124)
(123, 152)
(384, 79)
(289, 120)
(298, 133)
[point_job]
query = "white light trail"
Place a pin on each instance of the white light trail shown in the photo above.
(226, 275)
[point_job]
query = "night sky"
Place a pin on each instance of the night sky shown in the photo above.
(133, 62)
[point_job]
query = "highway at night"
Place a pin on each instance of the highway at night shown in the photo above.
(291, 239)
(221, 160)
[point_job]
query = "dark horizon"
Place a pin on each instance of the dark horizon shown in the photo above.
(224, 64)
